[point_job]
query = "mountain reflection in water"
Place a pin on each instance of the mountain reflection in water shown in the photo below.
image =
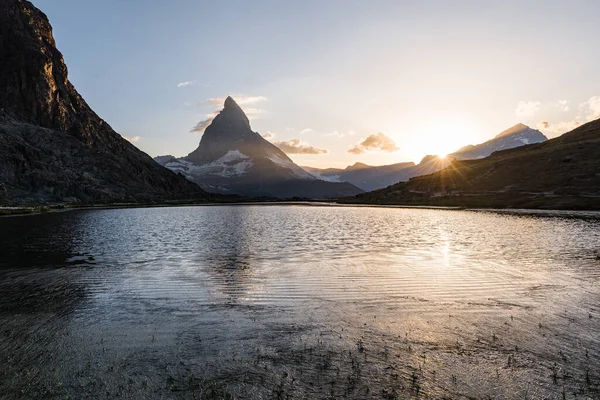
(299, 302)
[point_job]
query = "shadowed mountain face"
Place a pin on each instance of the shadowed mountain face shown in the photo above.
(53, 147)
(517, 136)
(372, 178)
(560, 173)
(231, 158)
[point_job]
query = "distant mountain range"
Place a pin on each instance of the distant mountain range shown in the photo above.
(562, 173)
(53, 147)
(370, 178)
(231, 158)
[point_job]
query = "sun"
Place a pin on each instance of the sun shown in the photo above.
(438, 138)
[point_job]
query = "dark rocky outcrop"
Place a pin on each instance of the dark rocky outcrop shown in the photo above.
(53, 146)
(231, 158)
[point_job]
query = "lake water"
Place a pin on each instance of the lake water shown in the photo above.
(299, 302)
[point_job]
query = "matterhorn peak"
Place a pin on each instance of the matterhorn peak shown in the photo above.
(232, 113)
(230, 103)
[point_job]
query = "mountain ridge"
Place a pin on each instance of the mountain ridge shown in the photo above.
(53, 146)
(370, 177)
(515, 136)
(231, 158)
(560, 173)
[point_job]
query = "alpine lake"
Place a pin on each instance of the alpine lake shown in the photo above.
(300, 302)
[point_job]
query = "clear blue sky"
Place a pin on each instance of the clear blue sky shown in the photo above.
(432, 76)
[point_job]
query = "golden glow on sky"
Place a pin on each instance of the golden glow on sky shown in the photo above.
(438, 138)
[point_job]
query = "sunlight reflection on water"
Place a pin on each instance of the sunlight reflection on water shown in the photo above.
(244, 294)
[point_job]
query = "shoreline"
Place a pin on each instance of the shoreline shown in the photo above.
(25, 210)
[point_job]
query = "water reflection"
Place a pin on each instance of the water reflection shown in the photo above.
(273, 301)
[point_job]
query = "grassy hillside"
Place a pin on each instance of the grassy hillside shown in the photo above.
(561, 173)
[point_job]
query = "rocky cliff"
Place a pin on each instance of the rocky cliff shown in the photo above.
(53, 146)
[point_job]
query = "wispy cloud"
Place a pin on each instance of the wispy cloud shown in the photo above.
(219, 101)
(564, 105)
(186, 83)
(527, 108)
(586, 112)
(306, 131)
(296, 146)
(202, 125)
(240, 99)
(192, 83)
(341, 134)
(376, 141)
(269, 135)
(133, 139)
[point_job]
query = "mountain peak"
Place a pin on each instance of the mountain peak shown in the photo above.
(357, 165)
(231, 104)
(518, 128)
(229, 131)
(232, 114)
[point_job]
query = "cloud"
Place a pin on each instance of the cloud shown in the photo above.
(590, 110)
(241, 100)
(558, 128)
(586, 112)
(253, 111)
(376, 141)
(202, 125)
(184, 84)
(295, 146)
(134, 139)
(527, 108)
(269, 135)
(306, 131)
(543, 124)
(564, 105)
(341, 134)
(217, 102)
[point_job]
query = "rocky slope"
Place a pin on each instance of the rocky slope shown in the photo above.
(562, 173)
(231, 158)
(53, 147)
(516, 136)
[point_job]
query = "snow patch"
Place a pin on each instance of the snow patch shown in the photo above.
(296, 170)
(330, 178)
(234, 163)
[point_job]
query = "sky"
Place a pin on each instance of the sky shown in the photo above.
(333, 82)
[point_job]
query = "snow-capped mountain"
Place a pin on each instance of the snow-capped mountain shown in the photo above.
(231, 158)
(518, 135)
